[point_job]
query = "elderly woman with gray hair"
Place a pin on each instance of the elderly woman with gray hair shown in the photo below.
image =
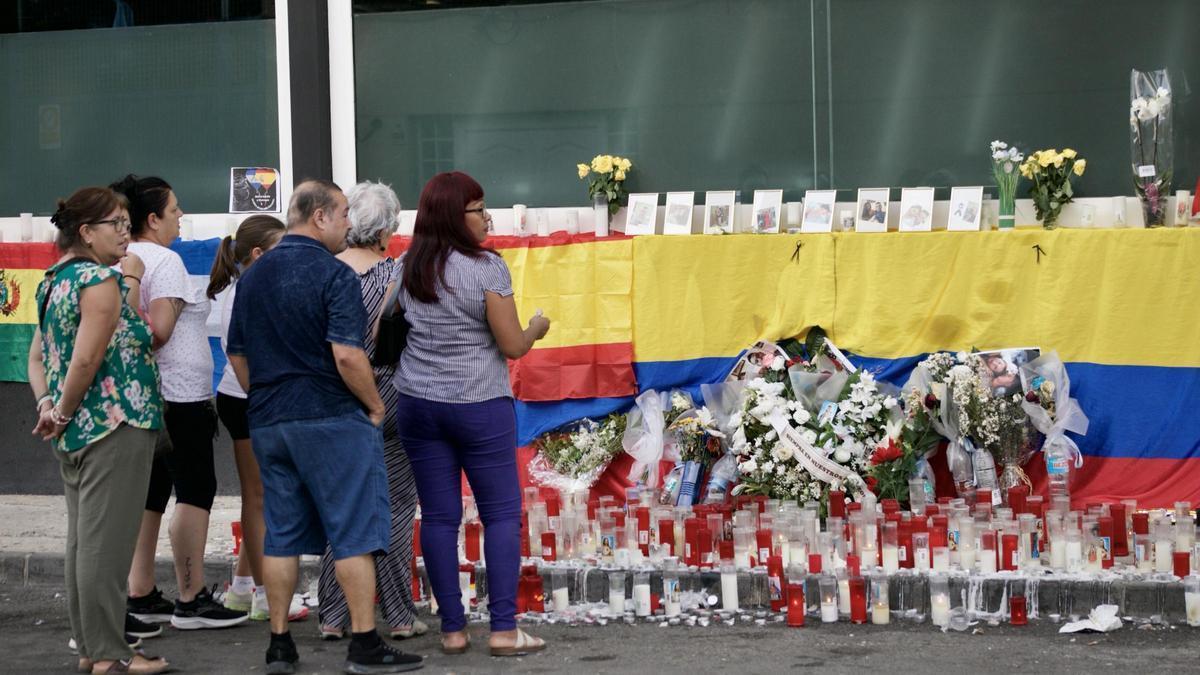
(373, 212)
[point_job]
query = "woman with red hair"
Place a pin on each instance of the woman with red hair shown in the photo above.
(455, 410)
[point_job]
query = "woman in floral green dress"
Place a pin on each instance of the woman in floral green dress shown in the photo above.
(96, 383)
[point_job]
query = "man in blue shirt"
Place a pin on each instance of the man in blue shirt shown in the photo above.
(296, 344)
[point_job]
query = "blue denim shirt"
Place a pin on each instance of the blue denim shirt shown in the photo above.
(290, 305)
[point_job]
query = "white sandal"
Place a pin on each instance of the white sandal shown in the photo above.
(525, 644)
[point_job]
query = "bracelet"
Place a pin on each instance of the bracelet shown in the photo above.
(130, 276)
(42, 399)
(58, 418)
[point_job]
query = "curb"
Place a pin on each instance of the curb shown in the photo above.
(29, 569)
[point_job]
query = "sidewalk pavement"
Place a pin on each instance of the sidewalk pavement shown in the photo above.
(33, 539)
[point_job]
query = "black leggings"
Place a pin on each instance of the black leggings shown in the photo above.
(188, 465)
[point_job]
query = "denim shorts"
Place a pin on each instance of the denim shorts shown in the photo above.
(323, 480)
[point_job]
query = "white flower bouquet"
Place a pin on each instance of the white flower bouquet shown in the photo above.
(572, 461)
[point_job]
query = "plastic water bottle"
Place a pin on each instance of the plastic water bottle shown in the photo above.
(1058, 469)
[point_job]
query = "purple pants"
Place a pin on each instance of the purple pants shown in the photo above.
(442, 441)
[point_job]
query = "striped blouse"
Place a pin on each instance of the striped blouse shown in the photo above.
(452, 356)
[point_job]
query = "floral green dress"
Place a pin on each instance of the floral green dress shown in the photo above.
(125, 389)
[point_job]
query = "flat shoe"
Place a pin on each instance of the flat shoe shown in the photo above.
(525, 644)
(138, 665)
(452, 651)
(332, 633)
(417, 628)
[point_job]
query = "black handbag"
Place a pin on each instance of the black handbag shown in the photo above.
(393, 330)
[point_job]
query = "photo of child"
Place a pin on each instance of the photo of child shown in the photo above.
(914, 218)
(718, 218)
(678, 214)
(965, 204)
(1003, 369)
(819, 214)
(766, 220)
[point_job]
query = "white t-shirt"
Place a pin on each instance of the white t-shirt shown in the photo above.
(185, 363)
(229, 384)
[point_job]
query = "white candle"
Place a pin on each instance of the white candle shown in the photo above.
(671, 604)
(641, 599)
(729, 591)
(622, 557)
(616, 602)
(519, 227)
(561, 599)
(26, 227)
(939, 609)
(231, 226)
(921, 559)
(966, 556)
(1058, 556)
(844, 596)
(941, 559)
(891, 559)
(543, 223)
(1142, 550)
(572, 221)
(464, 585)
(880, 614)
(987, 562)
(797, 555)
(186, 230)
(1192, 603)
(829, 611)
(1162, 556)
(1074, 556)
(869, 557)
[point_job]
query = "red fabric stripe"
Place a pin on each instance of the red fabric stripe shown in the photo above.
(400, 244)
(581, 371)
(30, 256)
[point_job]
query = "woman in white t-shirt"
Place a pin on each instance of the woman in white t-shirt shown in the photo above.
(255, 236)
(178, 312)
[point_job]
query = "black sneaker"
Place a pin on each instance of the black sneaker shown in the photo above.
(380, 659)
(204, 612)
(153, 608)
(140, 628)
(282, 656)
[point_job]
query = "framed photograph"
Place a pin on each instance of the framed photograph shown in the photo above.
(642, 213)
(965, 205)
(916, 209)
(818, 211)
(718, 212)
(767, 211)
(678, 213)
(1003, 369)
(871, 213)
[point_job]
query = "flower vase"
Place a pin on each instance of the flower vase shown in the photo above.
(600, 213)
(1008, 211)
(1154, 204)
(1012, 476)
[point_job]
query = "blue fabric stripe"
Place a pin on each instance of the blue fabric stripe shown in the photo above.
(535, 419)
(198, 255)
(218, 354)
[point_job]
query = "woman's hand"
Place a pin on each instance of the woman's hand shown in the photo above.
(46, 427)
(539, 325)
(132, 265)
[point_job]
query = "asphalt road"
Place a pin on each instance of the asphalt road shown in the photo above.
(34, 631)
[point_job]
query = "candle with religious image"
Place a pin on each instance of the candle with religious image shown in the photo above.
(921, 561)
(672, 604)
(1143, 545)
(776, 582)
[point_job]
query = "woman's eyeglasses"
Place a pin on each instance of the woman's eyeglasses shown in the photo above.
(121, 225)
(482, 211)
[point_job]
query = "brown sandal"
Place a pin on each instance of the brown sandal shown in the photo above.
(452, 651)
(138, 665)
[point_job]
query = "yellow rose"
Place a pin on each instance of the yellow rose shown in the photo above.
(620, 174)
(1069, 153)
(1044, 157)
(1027, 170)
(1079, 167)
(1058, 159)
(583, 170)
(625, 164)
(602, 164)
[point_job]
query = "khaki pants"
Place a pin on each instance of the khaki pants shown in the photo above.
(105, 485)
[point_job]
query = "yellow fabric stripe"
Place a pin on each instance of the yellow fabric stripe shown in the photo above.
(18, 298)
(1123, 297)
(585, 290)
(715, 295)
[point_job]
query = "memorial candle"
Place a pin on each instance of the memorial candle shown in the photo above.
(795, 597)
(921, 551)
(890, 550)
(1074, 549)
(691, 545)
(1143, 550)
(776, 582)
(729, 588)
(672, 605)
(616, 593)
(939, 600)
(763, 539)
(987, 552)
(641, 594)
(837, 504)
(549, 547)
(1163, 545)
(858, 599)
(1010, 554)
(880, 609)
(1120, 542)
(666, 535)
(1106, 527)
(704, 539)
(1191, 600)
(1017, 610)
(1182, 563)
(560, 598)
(643, 529)
(828, 585)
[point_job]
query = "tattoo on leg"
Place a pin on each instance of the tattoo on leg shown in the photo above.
(187, 573)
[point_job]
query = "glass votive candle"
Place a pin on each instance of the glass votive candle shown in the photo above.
(987, 552)
(880, 609)
(921, 551)
(939, 600)
(729, 588)
(1191, 599)
(828, 585)
(560, 598)
(616, 593)
(641, 594)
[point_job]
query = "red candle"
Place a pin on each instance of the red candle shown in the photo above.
(1183, 563)
(1016, 498)
(471, 540)
(691, 548)
(890, 506)
(1120, 547)
(416, 579)
(776, 581)
(1009, 553)
(417, 537)
(763, 538)
(726, 552)
(552, 505)
(549, 547)
(858, 600)
(666, 534)
(592, 505)
(704, 546)
(795, 603)
(643, 529)
(654, 603)
(814, 563)
(983, 496)
(837, 504)
(236, 527)
(1017, 610)
(904, 542)
(619, 516)
(1106, 537)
